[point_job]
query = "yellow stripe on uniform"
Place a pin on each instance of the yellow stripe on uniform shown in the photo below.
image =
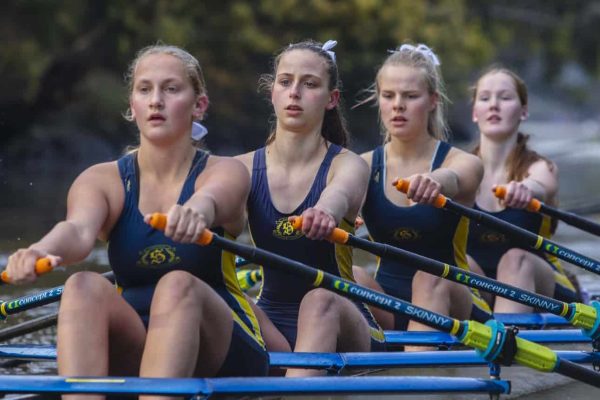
(228, 270)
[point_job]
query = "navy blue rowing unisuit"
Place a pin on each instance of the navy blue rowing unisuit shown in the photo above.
(423, 229)
(140, 255)
(282, 293)
(487, 246)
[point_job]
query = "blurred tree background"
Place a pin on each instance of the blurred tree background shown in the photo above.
(62, 62)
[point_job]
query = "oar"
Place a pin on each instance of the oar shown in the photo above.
(536, 205)
(42, 266)
(36, 300)
(532, 240)
(490, 339)
(578, 314)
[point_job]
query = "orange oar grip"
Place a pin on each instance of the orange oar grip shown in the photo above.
(402, 185)
(42, 266)
(500, 191)
(337, 236)
(159, 221)
(534, 205)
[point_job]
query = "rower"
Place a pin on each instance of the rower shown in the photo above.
(179, 311)
(409, 92)
(499, 106)
(305, 170)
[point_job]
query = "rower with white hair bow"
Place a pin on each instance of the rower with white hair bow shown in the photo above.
(409, 92)
(305, 170)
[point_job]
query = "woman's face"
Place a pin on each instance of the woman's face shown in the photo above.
(163, 101)
(497, 109)
(404, 101)
(300, 93)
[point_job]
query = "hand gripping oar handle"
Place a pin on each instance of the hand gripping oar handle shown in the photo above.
(572, 219)
(42, 266)
(534, 204)
(525, 237)
(159, 221)
(337, 235)
(580, 315)
(402, 185)
(470, 333)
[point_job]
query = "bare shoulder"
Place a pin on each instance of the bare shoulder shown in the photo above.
(460, 157)
(368, 157)
(347, 158)
(247, 159)
(99, 175)
(543, 166)
(226, 168)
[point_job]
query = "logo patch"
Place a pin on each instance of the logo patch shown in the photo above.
(158, 256)
(493, 237)
(406, 234)
(285, 231)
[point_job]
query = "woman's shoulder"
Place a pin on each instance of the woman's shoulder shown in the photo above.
(247, 159)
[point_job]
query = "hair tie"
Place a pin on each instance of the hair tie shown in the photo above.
(421, 48)
(198, 131)
(327, 46)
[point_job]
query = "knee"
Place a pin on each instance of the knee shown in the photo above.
(86, 286)
(178, 288)
(427, 285)
(318, 302)
(513, 261)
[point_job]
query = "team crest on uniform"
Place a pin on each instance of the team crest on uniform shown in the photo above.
(492, 237)
(158, 256)
(406, 234)
(284, 230)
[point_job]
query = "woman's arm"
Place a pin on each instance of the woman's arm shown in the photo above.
(541, 183)
(88, 210)
(220, 200)
(347, 184)
(458, 178)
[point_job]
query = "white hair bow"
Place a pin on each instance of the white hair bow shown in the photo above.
(330, 44)
(421, 48)
(198, 131)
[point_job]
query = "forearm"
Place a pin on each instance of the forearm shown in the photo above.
(67, 241)
(449, 181)
(205, 205)
(538, 190)
(335, 203)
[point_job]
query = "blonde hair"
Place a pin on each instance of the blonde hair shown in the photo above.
(411, 56)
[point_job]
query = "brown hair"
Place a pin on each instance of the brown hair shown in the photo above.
(334, 127)
(409, 56)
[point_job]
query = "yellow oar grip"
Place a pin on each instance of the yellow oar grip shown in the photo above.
(338, 235)
(403, 184)
(477, 336)
(535, 356)
(533, 206)
(42, 266)
(159, 221)
(584, 316)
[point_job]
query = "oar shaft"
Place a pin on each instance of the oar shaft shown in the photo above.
(346, 288)
(536, 242)
(536, 205)
(571, 219)
(527, 238)
(461, 276)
